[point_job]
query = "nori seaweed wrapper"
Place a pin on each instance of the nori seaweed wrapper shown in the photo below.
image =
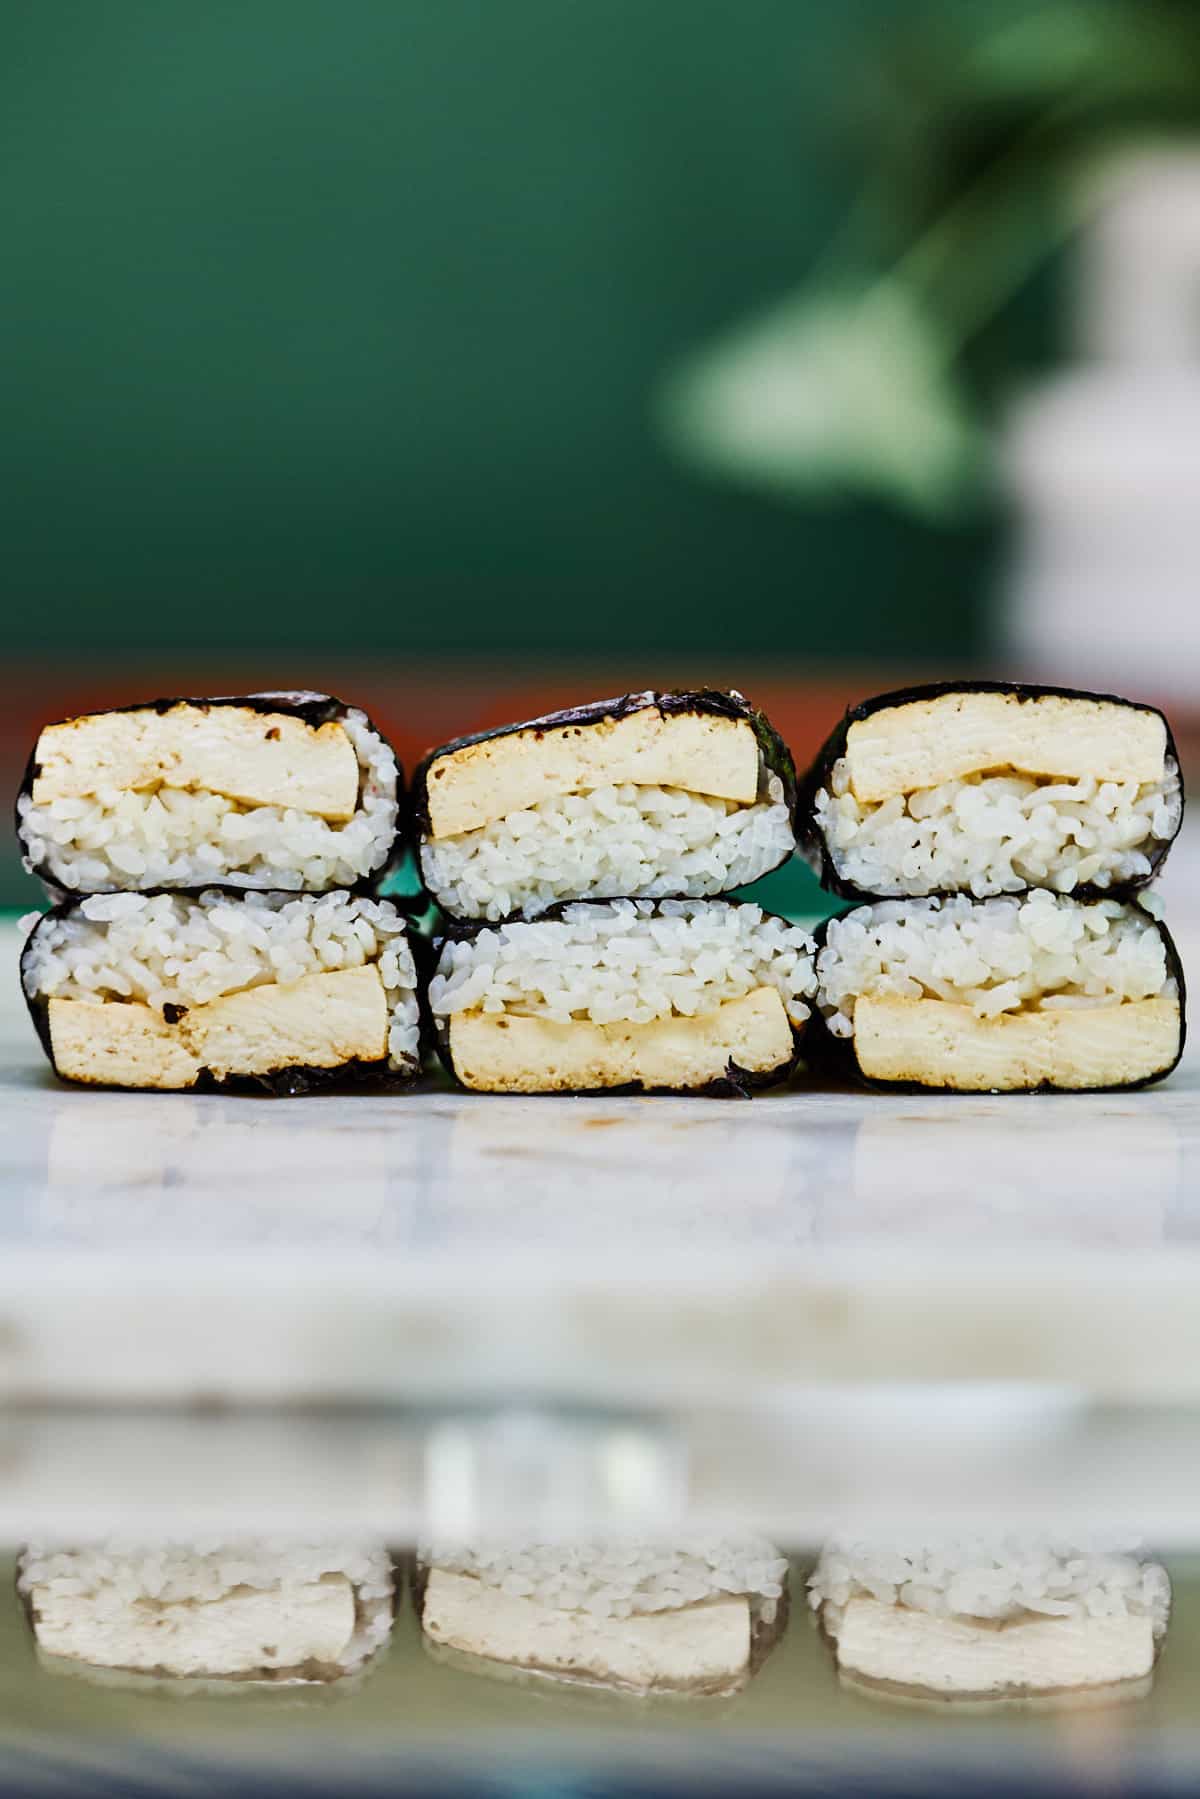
(314, 709)
(837, 1059)
(811, 841)
(290, 1082)
(735, 1083)
(716, 702)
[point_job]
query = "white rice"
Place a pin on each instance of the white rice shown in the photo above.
(999, 833)
(167, 949)
(622, 1578)
(118, 839)
(997, 955)
(121, 1574)
(627, 960)
(611, 842)
(996, 1578)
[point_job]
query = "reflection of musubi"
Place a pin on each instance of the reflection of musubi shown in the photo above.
(126, 1170)
(628, 1181)
(1005, 1618)
(626, 1614)
(209, 1610)
(1089, 1175)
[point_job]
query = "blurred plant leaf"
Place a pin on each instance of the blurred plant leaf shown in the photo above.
(830, 389)
(975, 144)
(1117, 49)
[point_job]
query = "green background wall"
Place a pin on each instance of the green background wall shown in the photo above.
(335, 321)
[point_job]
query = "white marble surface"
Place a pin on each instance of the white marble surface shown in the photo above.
(439, 1245)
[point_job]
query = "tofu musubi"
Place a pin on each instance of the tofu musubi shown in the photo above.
(636, 1615)
(242, 1610)
(984, 789)
(1013, 1617)
(652, 795)
(669, 995)
(273, 990)
(1036, 991)
(292, 791)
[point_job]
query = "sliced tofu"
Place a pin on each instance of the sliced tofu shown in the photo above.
(247, 1631)
(940, 1044)
(700, 752)
(118, 1045)
(258, 758)
(962, 1658)
(510, 1053)
(701, 1648)
(905, 748)
(321, 1021)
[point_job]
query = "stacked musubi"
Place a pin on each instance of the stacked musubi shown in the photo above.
(1002, 839)
(581, 863)
(215, 867)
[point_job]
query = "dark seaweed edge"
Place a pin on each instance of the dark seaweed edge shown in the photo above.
(775, 756)
(837, 1057)
(735, 1083)
(810, 839)
(314, 709)
(291, 1082)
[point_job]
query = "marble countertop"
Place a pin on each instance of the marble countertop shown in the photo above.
(438, 1246)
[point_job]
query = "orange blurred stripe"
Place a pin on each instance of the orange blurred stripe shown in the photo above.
(421, 703)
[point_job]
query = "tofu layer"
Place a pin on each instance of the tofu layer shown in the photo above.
(125, 1045)
(904, 748)
(702, 1648)
(259, 758)
(320, 1021)
(975, 1658)
(246, 1631)
(508, 1053)
(697, 751)
(945, 1045)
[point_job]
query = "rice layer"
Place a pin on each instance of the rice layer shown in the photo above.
(623, 1578)
(999, 833)
(170, 837)
(996, 955)
(612, 841)
(167, 949)
(995, 1578)
(627, 961)
(119, 1576)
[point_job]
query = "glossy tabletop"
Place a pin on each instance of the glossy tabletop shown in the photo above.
(438, 1244)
